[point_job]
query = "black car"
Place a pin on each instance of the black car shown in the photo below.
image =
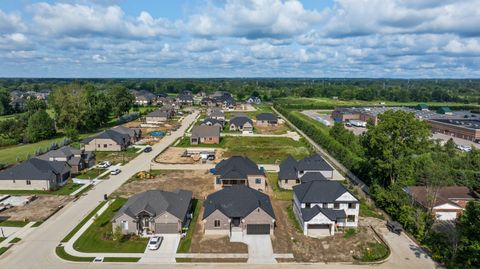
(147, 149)
(395, 227)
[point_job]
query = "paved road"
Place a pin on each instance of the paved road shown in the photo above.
(458, 141)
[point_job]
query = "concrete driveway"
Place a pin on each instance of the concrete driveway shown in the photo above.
(260, 250)
(166, 252)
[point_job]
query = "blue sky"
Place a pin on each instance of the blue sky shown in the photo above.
(240, 38)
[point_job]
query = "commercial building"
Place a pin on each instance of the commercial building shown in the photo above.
(468, 129)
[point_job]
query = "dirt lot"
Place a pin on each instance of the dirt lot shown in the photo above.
(198, 181)
(335, 248)
(173, 155)
(213, 244)
(37, 210)
(280, 129)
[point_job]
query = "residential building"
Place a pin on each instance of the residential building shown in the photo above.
(205, 134)
(239, 170)
(35, 174)
(213, 122)
(108, 140)
(185, 99)
(324, 206)
(158, 116)
(293, 172)
(238, 210)
(267, 119)
(254, 100)
(78, 159)
(217, 114)
(241, 123)
(135, 134)
(446, 203)
(144, 97)
(154, 212)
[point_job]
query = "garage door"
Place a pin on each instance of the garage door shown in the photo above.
(258, 228)
(166, 228)
(318, 229)
(446, 215)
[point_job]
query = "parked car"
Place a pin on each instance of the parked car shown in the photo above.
(155, 242)
(104, 164)
(464, 148)
(115, 172)
(395, 227)
(147, 149)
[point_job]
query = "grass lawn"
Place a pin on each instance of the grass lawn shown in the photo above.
(3, 250)
(115, 157)
(13, 223)
(2, 238)
(8, 155)
(84, 220)
(293, 219)
(368, 210)
(184, 245)
(60, 251)
(99, 236)
(66, 189)
(15, 240)
(120, 259)
(185, 143)
(279, 193)
(90, 174)
(373, 252)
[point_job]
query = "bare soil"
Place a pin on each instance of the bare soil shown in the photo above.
(173, 155)
(37, 210)
(200, 182)
(279, 129)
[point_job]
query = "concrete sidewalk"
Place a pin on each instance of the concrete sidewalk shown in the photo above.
(20, 233)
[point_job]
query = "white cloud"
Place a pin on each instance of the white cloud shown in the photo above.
(11, 23)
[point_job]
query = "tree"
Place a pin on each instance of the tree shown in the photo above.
(390, 146)
(40, 126)
(469, 246)
(69, 106)
(5, 107)
(121, 100)
(33, 105)
(240, 95)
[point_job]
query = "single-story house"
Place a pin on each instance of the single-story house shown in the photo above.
(239, 170)
(205, 134)
(154, 212)
(217, 114)
(447, 204)
(134, 133)
(322, 206)
(78, 159)
(158, 116)
(267, 119)
(254, 100)
(291, 171)
(108, 140)
(241, 123)
(238, 209)
(213, 122)
(35, 174)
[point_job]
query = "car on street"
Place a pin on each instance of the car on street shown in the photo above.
(147, 149)
(464, 148)
(104, 164)
(115, 172)
(155, 242)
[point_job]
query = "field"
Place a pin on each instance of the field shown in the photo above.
(9, 155)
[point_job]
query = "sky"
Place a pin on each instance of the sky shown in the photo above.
(240, 38)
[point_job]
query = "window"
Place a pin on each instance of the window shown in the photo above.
(285, 181)
(352, 205)
(336, 205)
(351, 218)
(297, 181)
(124, 225)
(14, 181)
(258, 181)
(29, 182)
(216, 223)
(307, 205)
(325, 205)
(104, 145)
(99, 145)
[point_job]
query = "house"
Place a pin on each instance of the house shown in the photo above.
(35, 174)
(108, 140)
(238, 209)
(213, 122)
(158, 116)
(241, 123)
(185, 98)
(447, 204)
(78, 159)
(239, 170)
(143, 97)
(217, 114)
(135, 134)
(293, 172)
(154, 212)
(267, 119)
(445, 110)
(254, 100)
(205, 134)
(323, 206)
(422, 107)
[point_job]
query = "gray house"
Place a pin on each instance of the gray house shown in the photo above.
(213, 122)
(108, 140)
(154, 212)
(238, 209)
(293, 172)
(241, 123)
(217, 114)
(78, 159)
(134, 133)
(205, 134)
(267, 119)
(35, 174)
(239, 170)
(158, 116)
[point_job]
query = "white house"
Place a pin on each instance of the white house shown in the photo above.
(323, 206)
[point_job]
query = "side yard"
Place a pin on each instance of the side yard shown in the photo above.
(115, 157)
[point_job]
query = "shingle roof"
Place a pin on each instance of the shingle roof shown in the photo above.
(267, 117)
(206, 131)
(332, 214)
(119, 138)
(237, 201)
(240, 120)
(289, 167)
(237, 167)
(61, 152)
(158, 113)
(125, 130)
(311, 176)
(420, 194)
(319, 191)
(217, 113)
(156, 202)
(212, 121)
(34, 169)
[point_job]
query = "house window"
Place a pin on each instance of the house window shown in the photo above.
(29, 182)
(14, 181)
(218, 181)
(216, 223)
(352, 206)
(104, 145)
(285, 181)
(124, 225)
(351, 218)
(325, 205)
(99, 145)
(336, 205)
(258, 181)
(307, 205)
(297, 181)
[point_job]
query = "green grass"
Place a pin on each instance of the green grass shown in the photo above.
(2, 238)
(279, 193)
(15, 240)
(184, 245)
(368, 210)
(80, 193)
(60, 251)
(373, 252)
(84, 220)
(90, 174)
(98, 237)
(3, 250)
(115, 157)
(120, 259)
(293, 219)
(66, 189)
(8, 155)
(185, 143)
(13, 223)
(37, 224)
(349, 232)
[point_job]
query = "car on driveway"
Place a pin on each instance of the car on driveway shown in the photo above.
(155, 242)
(394, 227)
(147, 149)
(104, 164)
(115, 172)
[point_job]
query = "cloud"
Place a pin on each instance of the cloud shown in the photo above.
(11, 23)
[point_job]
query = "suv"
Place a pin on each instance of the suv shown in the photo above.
(147, 149)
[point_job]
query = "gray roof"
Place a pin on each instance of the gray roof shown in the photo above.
(217, 113)
(63, 152)
(267, 117)
(156, 202)
(206, 131)
(319, 191)
(237, 201)
(332, 214)
(119, 138)
(132, 132)
(35, 169)
(237, 167)
(240, 120)
(289, 167)
(212, 121)
(158, 113)
(310, 176)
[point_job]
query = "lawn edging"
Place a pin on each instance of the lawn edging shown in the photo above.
(81, 223)
(383, 242)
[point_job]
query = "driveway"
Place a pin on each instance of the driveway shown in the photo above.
(166, 252)
(260, 249)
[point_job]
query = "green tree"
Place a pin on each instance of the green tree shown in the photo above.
(469, 246)
(5, 107)
(121, 100)
(40, 126)
(69, 106)
(33, 105)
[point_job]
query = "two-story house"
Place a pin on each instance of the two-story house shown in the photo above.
(239, 170)
(323, 206)
(293, 172)
(78, 159)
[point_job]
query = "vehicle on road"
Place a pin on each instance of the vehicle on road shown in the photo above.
(155, 242)
(104, 164)
(464, 148)
(147, 149)
(115, 172)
